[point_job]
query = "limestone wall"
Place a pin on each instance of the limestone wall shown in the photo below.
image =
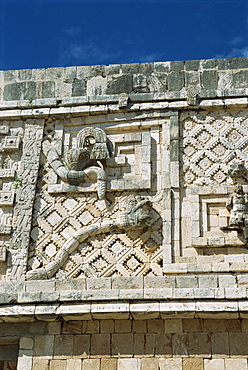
(172, 77)
(124, 216)
(171, 344)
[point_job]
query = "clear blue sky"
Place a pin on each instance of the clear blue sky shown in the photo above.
(55, 33)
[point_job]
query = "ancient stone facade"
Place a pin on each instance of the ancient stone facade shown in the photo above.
(123, 217)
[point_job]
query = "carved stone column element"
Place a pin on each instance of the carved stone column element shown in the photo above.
(25, 194)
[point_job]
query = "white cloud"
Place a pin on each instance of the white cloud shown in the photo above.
(234, 53)
(86, 53)
(236, 40)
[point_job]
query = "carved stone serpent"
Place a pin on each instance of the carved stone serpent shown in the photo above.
(136, 216)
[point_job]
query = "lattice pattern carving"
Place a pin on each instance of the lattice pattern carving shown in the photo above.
(59, 214)
(211, 141)
(120, 253)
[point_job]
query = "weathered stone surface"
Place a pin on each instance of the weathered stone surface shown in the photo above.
(122, 344)
(193, 363)
(81, 346)
(91, 364)
(63, 346)
(43, 346)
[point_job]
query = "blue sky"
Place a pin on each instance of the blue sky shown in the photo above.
(56, 33)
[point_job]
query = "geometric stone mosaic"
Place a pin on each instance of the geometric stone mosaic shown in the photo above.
(118, 253)
(211, 141)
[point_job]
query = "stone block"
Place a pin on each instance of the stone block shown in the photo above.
(215, 364)
(122, 326)
(71, 284)
(238, 344)
(199, 345)
(26, 343)
(25, 359)
(144, 310)
(155, 326)
(90, 327)
(49, 296)
(171, 364)
(39, 363)
(144, 344)
(57, 365)
(186, 281)
(175, 81)
(204, 293)
(149, 364)
(139, 326)
(91, 364)
(63, 346)
(12, 91)
(192, 325)
(237, 63)
(107, 326)
(48, 89)
(109, 364)
(177, 65)
(236, 363)
(242, 279)
(54, 327)
(192, 65)
(159, 282)
(161, 67)
(226, 281)
(6, 298)
(43, 346)
(81, 346)
(240, 79)
(214, 325)
(110, 311)
(180, 344)
(163, 345)
(122, 344)
(72, 327)
(225, 80)
(40, 286)
(209, 64)
(193, 363)
(220, 345)
(128, 364)
(244, 325)
(98, 283)
(173, 326)
(192, 80)
(208, 281)
(24, 297)
(14, 286)
(75, 295)
(73, 364)
(127, 283)
(121, 84)
(79, 88)
(209, 80)
(100, 345)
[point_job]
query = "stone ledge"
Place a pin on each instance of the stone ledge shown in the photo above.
(118, 310)
(123, 295)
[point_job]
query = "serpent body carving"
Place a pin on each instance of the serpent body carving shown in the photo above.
(135, 216)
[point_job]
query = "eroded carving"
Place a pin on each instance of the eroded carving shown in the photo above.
(237, 205)
(237, 171)
(80, 163)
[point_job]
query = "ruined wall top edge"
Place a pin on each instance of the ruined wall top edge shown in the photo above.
(159, 77)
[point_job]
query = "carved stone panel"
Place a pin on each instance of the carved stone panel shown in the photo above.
(100, 208)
